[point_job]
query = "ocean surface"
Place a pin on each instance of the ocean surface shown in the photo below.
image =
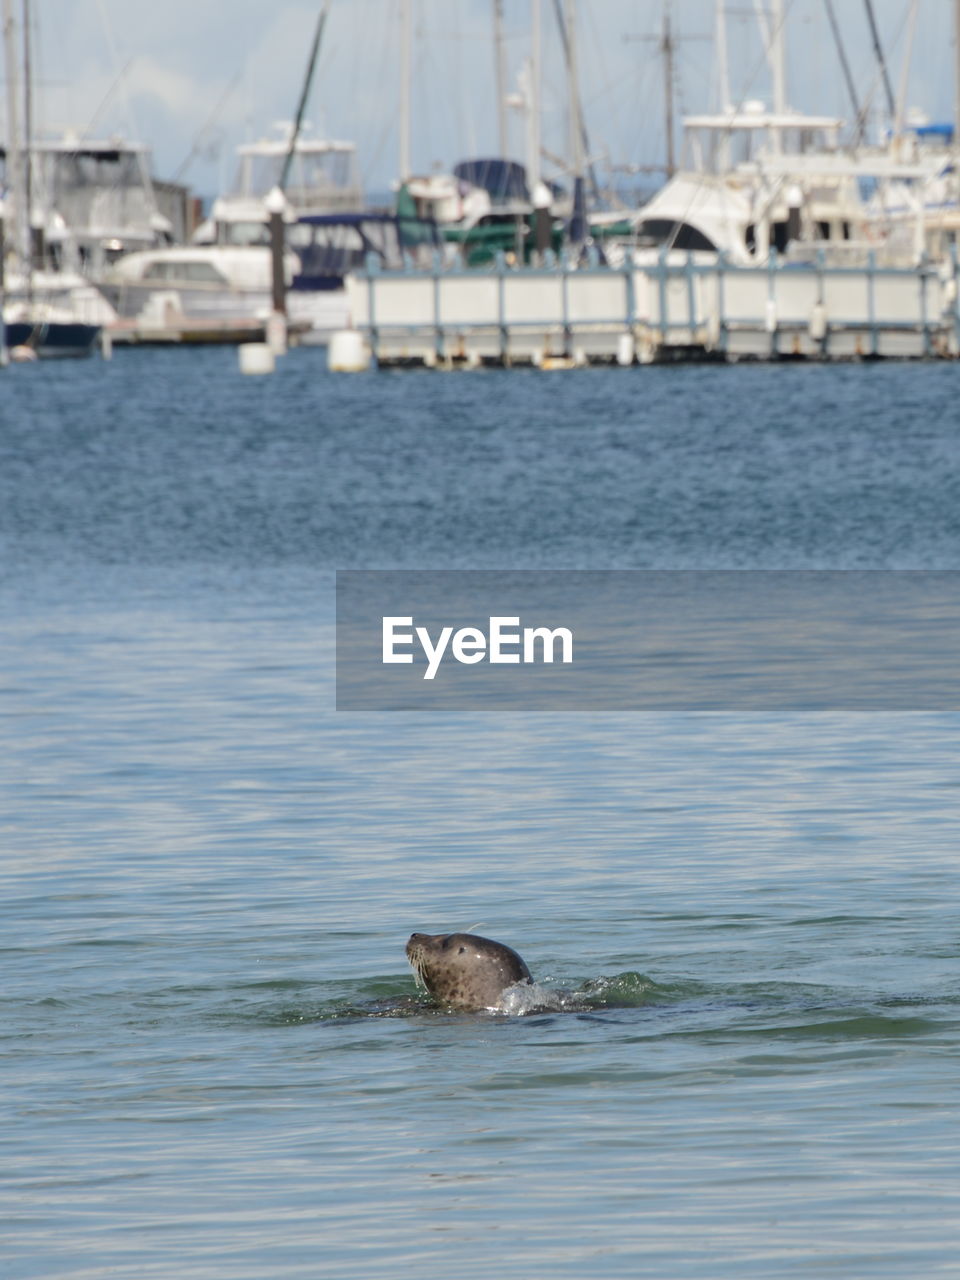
(214, 1062)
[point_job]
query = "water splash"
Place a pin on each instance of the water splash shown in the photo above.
(529, 997)
(623, 991)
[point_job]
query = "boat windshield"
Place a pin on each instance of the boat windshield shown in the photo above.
(104, 169)
(672, 234)
(248, 232)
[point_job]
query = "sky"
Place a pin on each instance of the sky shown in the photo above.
(194, 78)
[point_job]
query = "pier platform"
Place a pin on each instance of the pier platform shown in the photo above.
(194, 331)
(679, 307)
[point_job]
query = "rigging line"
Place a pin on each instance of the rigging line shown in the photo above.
(210, 120)
(102, 105)
(905, 71)
(465, 118)
(737, 108)
(145, 176)
(304, 94)
(381, 72)
(609, 85)
(871, 92)
(878, 50)
(763, 22)
(859, 114)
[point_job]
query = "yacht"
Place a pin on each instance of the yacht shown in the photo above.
(93, 200)
(484, 207)
(224, 272)
(322, 177)
(758, 180)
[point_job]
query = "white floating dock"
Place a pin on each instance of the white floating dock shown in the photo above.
(685, 307)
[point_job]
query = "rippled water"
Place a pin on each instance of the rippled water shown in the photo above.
(214, 1059)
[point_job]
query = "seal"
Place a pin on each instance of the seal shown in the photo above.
(464, 970)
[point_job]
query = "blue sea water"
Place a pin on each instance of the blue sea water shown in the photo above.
(214, 1062)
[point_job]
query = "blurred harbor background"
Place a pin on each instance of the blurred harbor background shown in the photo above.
(329, 140)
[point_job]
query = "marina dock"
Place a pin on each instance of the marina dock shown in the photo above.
(182, 330)
(678, 307)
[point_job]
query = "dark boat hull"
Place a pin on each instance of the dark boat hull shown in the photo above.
(53, 338)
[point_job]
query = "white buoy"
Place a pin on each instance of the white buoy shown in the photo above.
(626, 349)
(256, 357)
(347, 352)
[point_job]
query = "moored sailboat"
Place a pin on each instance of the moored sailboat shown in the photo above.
(39, 311)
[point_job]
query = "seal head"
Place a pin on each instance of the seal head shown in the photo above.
(464, 970)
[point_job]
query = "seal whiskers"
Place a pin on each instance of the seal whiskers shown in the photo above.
(416, 964)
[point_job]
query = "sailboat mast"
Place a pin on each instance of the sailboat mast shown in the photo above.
(27, 143)
(881, 60)
(723, 63)
(304, 95)
(859, 112)
(501, 76)
(666, 48)
(14, 193)
(533, 113)
(956, 74)
(905, 71)
(723, 83)
(778, 58)
(573, 90)
(778, 69)
(406, 59)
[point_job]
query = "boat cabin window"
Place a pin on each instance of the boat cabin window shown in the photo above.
(244, 233)
(654, 232)
(96, 169)
(191, 272)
